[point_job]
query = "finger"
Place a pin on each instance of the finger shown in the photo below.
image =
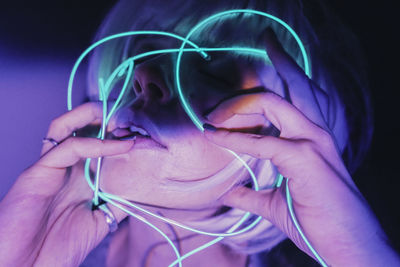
(258, 146)
(323, 102)
(286, 117)
(304, 93)
(283, 62)
(246, 199)
(64, 125)
(73, 149)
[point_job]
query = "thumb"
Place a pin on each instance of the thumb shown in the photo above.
(246, 199)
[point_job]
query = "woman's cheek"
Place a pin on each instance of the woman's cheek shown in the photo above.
(195, 158)
(130, 177)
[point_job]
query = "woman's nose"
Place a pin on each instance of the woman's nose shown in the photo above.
(151, 83)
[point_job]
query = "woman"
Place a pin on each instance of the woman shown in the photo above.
(181, 173)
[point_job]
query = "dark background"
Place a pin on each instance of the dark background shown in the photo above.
(63, 29)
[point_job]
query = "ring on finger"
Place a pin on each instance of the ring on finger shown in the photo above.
(110, 218)
(50, 140)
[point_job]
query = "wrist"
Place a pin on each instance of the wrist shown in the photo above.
(377, 253)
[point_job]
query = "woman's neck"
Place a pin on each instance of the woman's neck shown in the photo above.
(138, 245)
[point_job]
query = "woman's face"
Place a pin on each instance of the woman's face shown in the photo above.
(159, 170)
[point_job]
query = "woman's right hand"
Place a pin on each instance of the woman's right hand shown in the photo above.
(46, 217)
(331, 211)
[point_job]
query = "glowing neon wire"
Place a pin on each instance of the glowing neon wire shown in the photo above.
(303, 236)
(198, 122)
(103, 195)
(112, 37)
(149, 224)
(127, 68)
(212, 18)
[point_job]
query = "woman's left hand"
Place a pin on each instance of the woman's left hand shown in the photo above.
(46, 218)
(331, 211)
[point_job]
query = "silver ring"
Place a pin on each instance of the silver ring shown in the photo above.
(110, 218)
(51, 140)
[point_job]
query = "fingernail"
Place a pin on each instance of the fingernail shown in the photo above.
(209, 127)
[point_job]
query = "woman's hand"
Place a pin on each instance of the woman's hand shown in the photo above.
(331, 211)
(46, 217)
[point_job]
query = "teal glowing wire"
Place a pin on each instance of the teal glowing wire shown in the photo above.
(216, 240)
(127, 68)
(303, 236)
(103, 88)
(126, 202)
(109, 198)
(212, 18)
(99, 160)
(112, 37)
(279, 180)
(195, 118)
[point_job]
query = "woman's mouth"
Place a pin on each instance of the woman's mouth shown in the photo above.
(141, 136)
(129, 133)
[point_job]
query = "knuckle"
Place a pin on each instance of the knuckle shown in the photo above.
(256, 145)
(273, 98)
(324, 138)
(68, 129)
(305, 148)
(55, 123)
(58, 124)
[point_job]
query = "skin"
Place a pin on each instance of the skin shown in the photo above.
(187, 157)
(322, 189)
(328, 205)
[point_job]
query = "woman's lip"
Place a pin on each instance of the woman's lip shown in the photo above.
(140, 140)
(121, 132)
(144, 142)
(120, 129)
